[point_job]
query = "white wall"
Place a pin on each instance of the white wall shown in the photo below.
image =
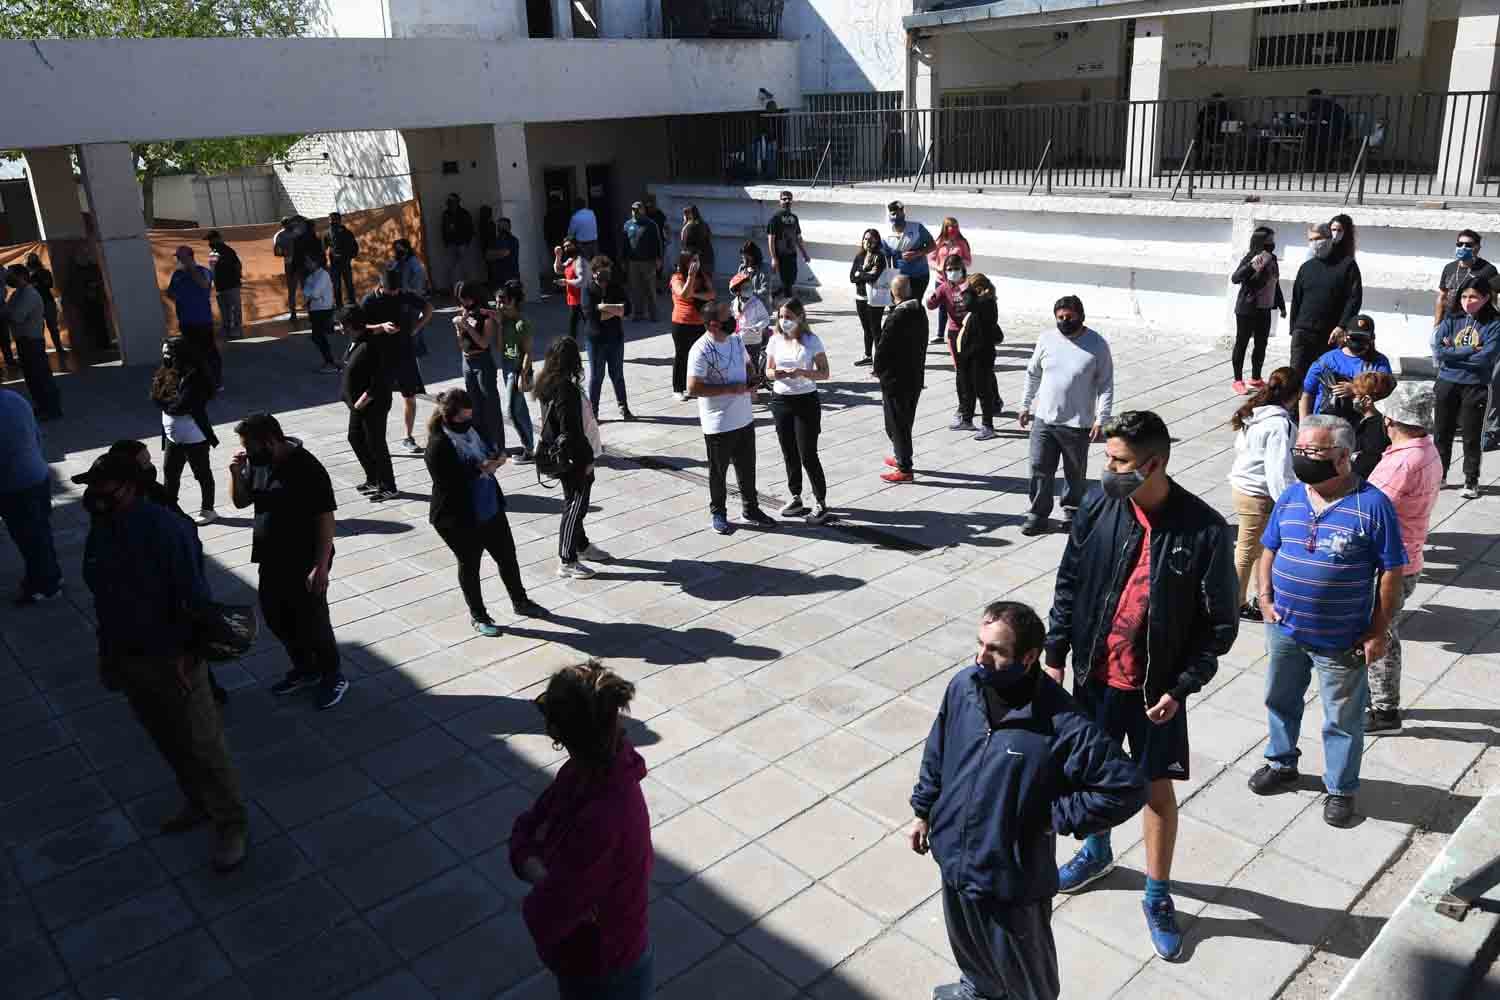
(362, 170)
(352, 19)
(241, 199)
(174, 198)
(476, 19)
(848, 45)
(1090, 56)
(635, 149)
(131, 89)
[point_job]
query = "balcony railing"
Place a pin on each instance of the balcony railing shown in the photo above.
(721, 18)
(1419, 146)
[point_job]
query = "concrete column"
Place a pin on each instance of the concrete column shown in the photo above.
(562, 18)
(519, 202)
(1466, 120)
(1148, 82)
(124, 254)
(54, 193)
(924, 95)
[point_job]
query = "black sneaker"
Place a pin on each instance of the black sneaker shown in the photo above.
(759, 517)
(367, 488)
(1269, 780)
(865, 362)
(528, 608)
(1250, 612)
(292, 683)
(625, 413)
(1382, 720)
(1034, 525)
(27, 598)
(382, 495)
(1338, 810)
(330, 695)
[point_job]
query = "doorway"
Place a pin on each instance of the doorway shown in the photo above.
(539, 18)
(557, 182)
(599, 180)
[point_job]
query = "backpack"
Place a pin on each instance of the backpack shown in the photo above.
(554, 453)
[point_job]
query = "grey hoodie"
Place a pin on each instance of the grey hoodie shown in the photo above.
(1263, 453)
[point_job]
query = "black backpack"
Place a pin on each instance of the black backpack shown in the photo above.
(554, 453)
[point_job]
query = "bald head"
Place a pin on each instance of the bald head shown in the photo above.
(900, 288)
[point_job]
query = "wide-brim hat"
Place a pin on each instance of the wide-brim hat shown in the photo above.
(1411, 403)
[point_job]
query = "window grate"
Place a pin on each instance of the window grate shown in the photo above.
(839, 103)
(1338, 33)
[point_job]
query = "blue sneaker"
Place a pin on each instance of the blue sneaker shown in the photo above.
(1161, 920)
(1083, 869)
(721, 524)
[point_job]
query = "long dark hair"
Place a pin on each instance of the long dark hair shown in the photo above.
(449, 405)
(1348, 244)
(563, 364)
(1260, 237)
(796, 308)
(751, 252)
(1281, 388)
(865, 236)
(582, 706)
(685, 261)
(1487, 314)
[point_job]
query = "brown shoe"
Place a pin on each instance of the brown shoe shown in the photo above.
(230, 851)
(187, 818)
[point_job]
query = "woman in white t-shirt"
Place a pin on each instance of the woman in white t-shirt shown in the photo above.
(719, 373)
(181, 389)
(795, 363)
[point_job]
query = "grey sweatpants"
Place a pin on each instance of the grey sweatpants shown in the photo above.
(1004, 950)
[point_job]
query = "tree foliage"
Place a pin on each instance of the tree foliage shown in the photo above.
(27, 19)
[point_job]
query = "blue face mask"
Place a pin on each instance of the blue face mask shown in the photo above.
(1464, 254)
(1002, 674)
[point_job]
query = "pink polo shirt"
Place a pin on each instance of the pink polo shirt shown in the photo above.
(1410, 475)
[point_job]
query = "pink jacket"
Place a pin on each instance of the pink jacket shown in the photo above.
(951, 296)
(593, 835)
(948, 245)
(1410, 475)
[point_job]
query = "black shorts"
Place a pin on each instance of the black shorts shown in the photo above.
(409, 377)
(1160, 751)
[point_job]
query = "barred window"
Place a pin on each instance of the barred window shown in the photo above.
(1337, 33)
(869, 100)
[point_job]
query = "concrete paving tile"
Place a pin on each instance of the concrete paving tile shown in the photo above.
(349, 832)
(845, 699)
(1355, 855)
(447, 786)
(892, 967)
(809, 934)
(889, 880)
(763, 801)
(1229, 805)
(436, 910)
(484, 822)
(112, 879)
(270, 866)
(1223, 951)
(780, 731)
(681, 939)
(399, 985)
(729, 974)
(1295, 900)
(733, 893)
(706, 770)
(476, 964)
(897, 726)
(392, 868)
(74, 846)
(795, 675)
(30, 968)
(328, 965)
(689, 842)
(411, 755)
(123, 930)
(835, 760)
(824, 837)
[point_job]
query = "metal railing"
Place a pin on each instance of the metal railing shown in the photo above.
(1418, 146)
(721, 18)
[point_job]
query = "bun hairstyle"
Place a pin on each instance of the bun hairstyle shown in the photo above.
(1376, 385)
(582, 706)
(1281, 388)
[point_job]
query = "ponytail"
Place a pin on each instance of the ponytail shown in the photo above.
(1280, 389)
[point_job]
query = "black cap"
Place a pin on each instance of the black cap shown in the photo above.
(111, 467)
(1364, 326)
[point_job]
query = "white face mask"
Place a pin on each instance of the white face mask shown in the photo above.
(955, 276)
(788, 326)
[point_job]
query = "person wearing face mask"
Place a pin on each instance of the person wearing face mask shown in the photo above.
(25, 313)
(1145, 601)
(950, 243)
(1466, 348)
(752, 321)
(366, 390)
(901, 367)
(1011, 763)
(514, 345)
(1330, 582)
(181, 389)
(569, 262)
(400, 316)
(643, 252)
(1327, 386)
(1259, 278)
(411, 276)
(293, 546)
(26, 501)
(144, 567)
(784, 244)
(1410, 474)
(907, 246)
(603, 312)
(1466, 264)
(795, 363)
(503, 258)
(468, 507)
(692, 287)
(947, 298)
(719, 378)
(1070, 393)
(1370, 438)
(974, 356)
(477, 329)
(1263, 434)
(865, 273)
(1326, 296)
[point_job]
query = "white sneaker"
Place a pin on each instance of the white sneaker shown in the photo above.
(594, 552)
(793, 508)
(206, 516)
(574, 570)
(410, 444)
(819, 514)
(683, 397)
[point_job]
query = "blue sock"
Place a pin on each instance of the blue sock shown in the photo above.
(1097, 847)
(1157, 888)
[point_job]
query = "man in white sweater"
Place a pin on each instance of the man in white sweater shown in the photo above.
(1070, 393)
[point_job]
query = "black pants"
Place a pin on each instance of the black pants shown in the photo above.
(786, 270)
(976, 383)
(367, 438)
(575, 316)
(322, 325)
(292, 273)
(298, 618)
(1003, 950)
(736, 448)
(201, 336)
(571, 536)
(196, 457)
(900, 405)
(469, 546)
(1459, 409)
(342, 272)
(869, 321)
(919, 285)
(6, 351)
(799, 421)
(684, 336)
(45, 398)
(1307, 347)
(1256, 326)
(49, 316)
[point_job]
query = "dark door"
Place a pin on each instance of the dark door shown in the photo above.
(600, 183)
(539, 18)
(558, 183)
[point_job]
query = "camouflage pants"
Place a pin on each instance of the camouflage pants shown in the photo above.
(1385, 673)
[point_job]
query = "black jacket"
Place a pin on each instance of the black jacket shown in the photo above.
(458, 227)
(1370, 443)
(995, 798)
(194, 390)
(1326, 294)
(1193, 611)
(452, 507)
(1251, 282)
(365, 371)
(901, 351)
(228, 271)
(980, 333)
(861, 274)
(567, 398)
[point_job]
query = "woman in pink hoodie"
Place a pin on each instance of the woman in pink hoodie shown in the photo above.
(950, 243)
(585, 846)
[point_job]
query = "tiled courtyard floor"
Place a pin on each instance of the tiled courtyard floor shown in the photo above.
(786, 680)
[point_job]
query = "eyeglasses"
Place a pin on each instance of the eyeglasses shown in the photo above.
(1471, 246)
(1315, 451)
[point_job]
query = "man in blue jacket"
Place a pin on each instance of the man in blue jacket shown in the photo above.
(1011, 762)
(1146, 600)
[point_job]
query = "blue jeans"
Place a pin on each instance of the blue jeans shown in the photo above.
(27, 515)
(1344, 686)
(483, 388)
(635, 983)
(520, 413)
(610, 355)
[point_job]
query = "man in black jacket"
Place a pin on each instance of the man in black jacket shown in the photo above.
(1147, 601)
(366, 391)
(901, 367)
(228, 280)
(1326, 297)
(1010, 763)
(342, 249)
(458, 233)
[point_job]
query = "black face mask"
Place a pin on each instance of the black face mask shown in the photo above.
(260, 458)
(460, 426)
(1361, 346)
(1122, 485)
(148, 474)
(100, 503)
(1313, 470)
(1068, 327)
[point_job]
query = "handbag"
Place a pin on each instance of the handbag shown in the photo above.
(879, 293)
(224, 631)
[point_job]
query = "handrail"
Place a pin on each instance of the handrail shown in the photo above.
(1359, 164)
(923, 169)
(821, 159)
(1038, 173)
(1466, 893)
(1183, 169)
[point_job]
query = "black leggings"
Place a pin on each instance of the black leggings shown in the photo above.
(196, 457)
(1255, 325)
(367, 439)
(469, 545)
(869, 320)
(799, 419)
(575, 315)
(684, 336)
(1459, 409)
